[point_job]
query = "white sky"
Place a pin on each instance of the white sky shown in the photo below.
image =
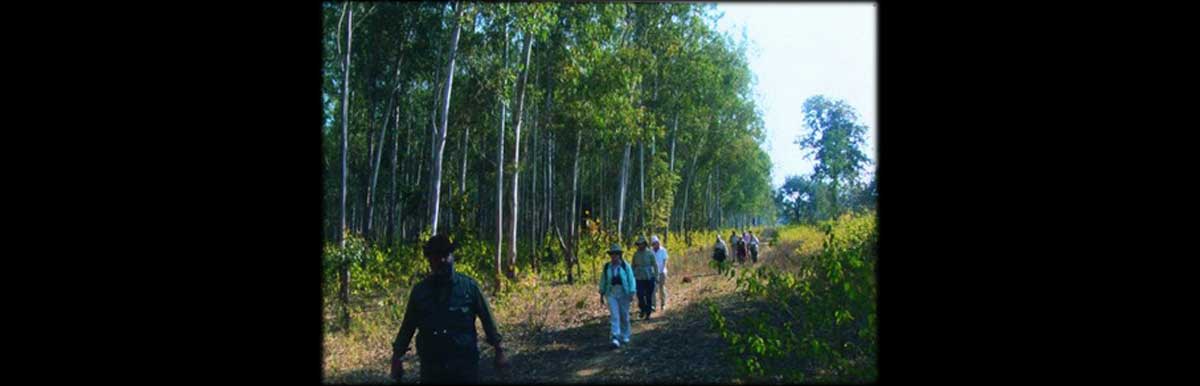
(798, 50)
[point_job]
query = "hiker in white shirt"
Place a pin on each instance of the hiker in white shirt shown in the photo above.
(660, 258)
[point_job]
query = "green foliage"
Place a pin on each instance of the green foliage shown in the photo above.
(818, 324)
(653, 74)
(834, 140)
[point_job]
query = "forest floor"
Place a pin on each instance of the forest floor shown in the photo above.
(560, 333)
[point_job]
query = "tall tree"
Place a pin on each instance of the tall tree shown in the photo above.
(344, 290)
(834, 140)
(441, 138)
(516, 159)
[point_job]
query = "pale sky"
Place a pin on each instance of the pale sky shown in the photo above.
(798, 50)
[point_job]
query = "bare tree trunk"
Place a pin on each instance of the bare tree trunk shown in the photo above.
(621, 198)
(717, 200)
(574, 215)
(500, 173)
(670, 216)
(531, 191)
(441, 139)
(366, 181)
(708, 201)
(462, 181)
(392, 194)
(550, 203)
(375, 167)
(500, 195)
(512, 247)
(433, 133)
(344, 291)
(642, 184)
(402, 200)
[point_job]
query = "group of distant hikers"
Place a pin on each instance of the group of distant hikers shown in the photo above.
(747, 244)
(443, 306)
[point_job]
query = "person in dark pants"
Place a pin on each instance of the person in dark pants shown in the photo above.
(720, 250)
(735, 242)
(443, 307)
(645, 271)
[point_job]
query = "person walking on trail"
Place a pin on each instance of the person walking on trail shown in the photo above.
(746, 243)
(739, 247)
(660, 259)
(443, 307)
(646, 272)
(720, 251)
(753, 248)
(733, 245)
(617, 286)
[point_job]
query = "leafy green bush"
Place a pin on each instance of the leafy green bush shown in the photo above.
(817, 324)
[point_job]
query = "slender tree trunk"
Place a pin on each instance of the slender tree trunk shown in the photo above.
(500, 195)
(670, 217)
(709, 206)
(550, 203)
(687, 190)
(574, 215)
(393, 199)
(433, 134)
(462, 181)
(641, 184)
(621, 198)
(366, 181)
(512, 247)
(344, 291)
(441, 139)
(375, 167)
(500, 173)
(408, 171)
(531, 191)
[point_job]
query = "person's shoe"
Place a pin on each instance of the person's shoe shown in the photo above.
(615, 343)
(626, 340)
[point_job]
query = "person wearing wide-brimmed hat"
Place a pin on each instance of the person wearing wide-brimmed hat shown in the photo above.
(443, 308)
(618, 286)
(645, 270)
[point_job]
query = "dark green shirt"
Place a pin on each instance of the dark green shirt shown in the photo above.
(427, 301)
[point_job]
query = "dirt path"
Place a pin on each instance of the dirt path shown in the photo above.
(675, 345)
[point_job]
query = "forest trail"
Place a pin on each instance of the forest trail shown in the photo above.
(569, 344)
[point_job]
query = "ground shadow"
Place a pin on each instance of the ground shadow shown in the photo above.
(677, 347)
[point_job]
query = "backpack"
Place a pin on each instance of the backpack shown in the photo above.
(608, 265)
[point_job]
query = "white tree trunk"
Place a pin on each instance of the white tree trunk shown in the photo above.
(574, 214)
(641, 184)
(441, 138)
(462, 181)
(500, 172)
(621, 198)
(512, 240)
